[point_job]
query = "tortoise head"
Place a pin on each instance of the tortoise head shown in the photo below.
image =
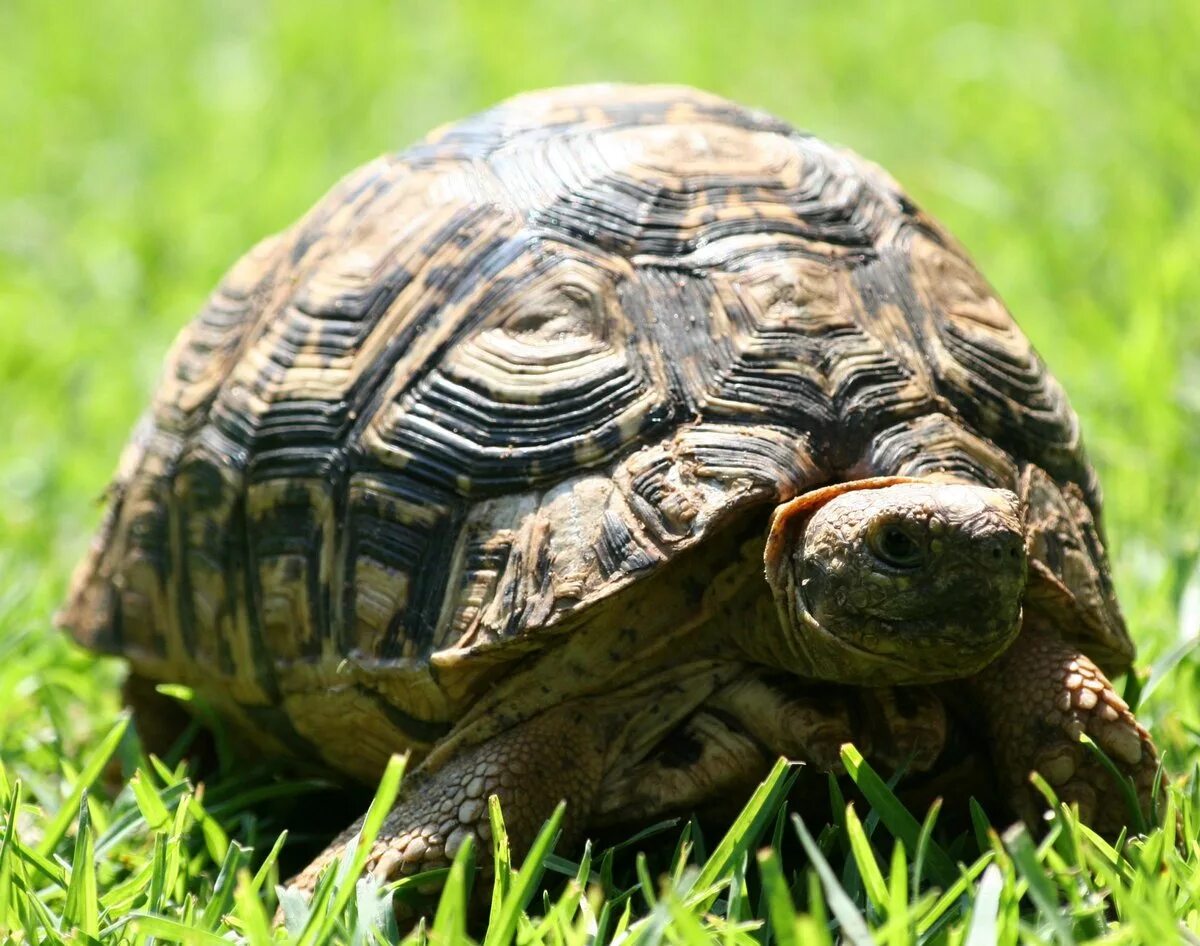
(894, 580)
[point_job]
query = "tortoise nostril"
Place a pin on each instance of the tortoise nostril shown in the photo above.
(1001, 547)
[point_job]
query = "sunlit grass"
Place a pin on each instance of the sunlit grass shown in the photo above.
(145, 146)
(154, 864)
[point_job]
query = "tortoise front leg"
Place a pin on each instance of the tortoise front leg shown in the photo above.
(707, 759)
(809, 721)
(722, 750)
(1037, 699)
(556, 756)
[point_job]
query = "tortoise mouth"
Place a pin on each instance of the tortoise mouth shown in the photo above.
(922, 657)
(880, 651)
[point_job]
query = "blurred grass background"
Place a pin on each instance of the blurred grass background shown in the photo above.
(144, 146)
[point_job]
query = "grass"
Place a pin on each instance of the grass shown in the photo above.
(146, 145)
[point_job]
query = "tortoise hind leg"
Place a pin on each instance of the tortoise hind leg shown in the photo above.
(569, 753)
(559, 755)
(162, 724)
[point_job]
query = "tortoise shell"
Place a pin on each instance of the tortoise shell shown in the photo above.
(490, 381)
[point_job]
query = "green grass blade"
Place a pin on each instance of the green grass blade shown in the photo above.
(745, 831)
(854, 927)
(7, 844)
(297, 910)
(236, 857)
(48, 870)
(892, 813)
(372, 909)
(1041, 890)
(524, 882)
(985, 914)
(686, 928)
(501, 860)
(981, 826)
(781, 911)
(737, 904)
(940, 910)
(269, 862)
(148, 801)
(1160, 671)
(173, 860)
(82, 910)
(923, 841)
(123, 896)
(158, 874)
(175, 931)
(898, 906)
(321, 921)
(1133, 806)
(450, 921)
(814, 926)
(132, 821)
(91, 770)
(214, 835)
(645, 881)
(864, 860)
(251, 918)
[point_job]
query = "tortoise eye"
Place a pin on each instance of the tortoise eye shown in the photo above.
(894, 545)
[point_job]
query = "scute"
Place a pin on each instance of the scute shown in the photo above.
(549, 379)
(492, 380)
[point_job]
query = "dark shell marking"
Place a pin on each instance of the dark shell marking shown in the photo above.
(490, 380)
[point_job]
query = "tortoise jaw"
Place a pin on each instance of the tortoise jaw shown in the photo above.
(811, 650)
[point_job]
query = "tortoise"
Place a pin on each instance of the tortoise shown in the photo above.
(603, 447)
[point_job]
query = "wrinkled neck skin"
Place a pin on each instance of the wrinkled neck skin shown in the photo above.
(752, 623)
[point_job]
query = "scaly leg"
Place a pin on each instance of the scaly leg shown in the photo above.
(810, 722)
(559, 755)
(564, 753)
(794, 718)
(909, 727)
(705, 759)
(721, 751)
(1037, 699)
(160, 723)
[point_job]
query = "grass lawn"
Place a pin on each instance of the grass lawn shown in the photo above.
(146, 145)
